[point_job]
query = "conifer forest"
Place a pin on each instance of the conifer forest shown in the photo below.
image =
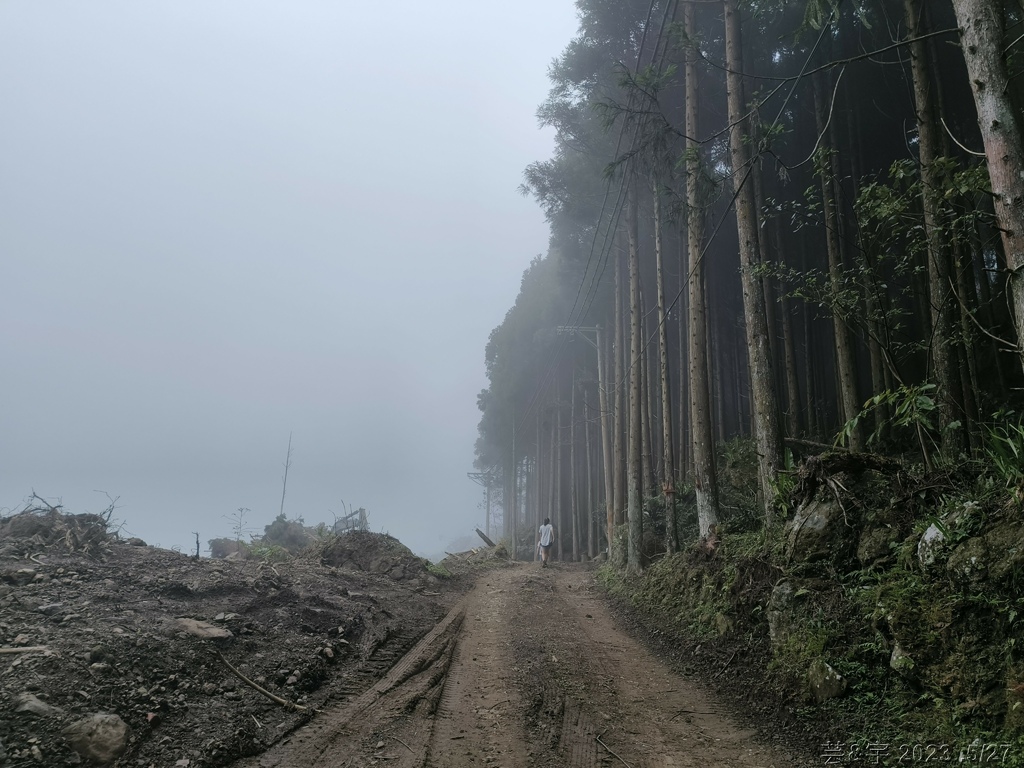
(788, 227)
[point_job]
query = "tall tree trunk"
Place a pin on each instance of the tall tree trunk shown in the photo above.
(588, 456)
(620, 404)
(552, 461)
(668, 459)
(574, 499)
(649, 485)
(683, 314)
(765, 407)
(846, 367)
(982, 36)
(606, 435)
(509, 498)
(788, 348)
(940, 296)
(705, 483)
(634, 508)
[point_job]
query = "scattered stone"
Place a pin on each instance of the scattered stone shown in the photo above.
(134, 541)
(202, 629)
(98, 737)
(30, 704)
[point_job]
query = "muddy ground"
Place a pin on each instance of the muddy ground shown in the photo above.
(116, 622)
(393, 668)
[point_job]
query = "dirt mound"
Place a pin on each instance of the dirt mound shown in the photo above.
(374, 553)
(471, 563)
(94, 626)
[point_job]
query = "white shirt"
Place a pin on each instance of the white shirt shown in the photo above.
(547, 533)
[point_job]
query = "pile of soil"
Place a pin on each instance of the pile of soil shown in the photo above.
(374, 553)
(92, 625)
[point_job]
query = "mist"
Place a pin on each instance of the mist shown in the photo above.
(224, 224)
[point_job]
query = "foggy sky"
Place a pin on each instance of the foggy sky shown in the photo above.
(224, 222)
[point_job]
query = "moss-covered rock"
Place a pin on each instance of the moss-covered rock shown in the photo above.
(902, 663)
(874, 546)
(968, 563)
(818, 531)
(931, 546)
(825, 683)
(1005, 545)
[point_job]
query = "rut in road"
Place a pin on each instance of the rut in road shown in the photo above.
(528, 670)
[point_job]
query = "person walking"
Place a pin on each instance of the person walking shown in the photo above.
(545, 540)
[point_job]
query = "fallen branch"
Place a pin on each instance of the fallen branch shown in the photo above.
(689, 712)
(26, 649)
(608, 749)
(255, 687)
(726, 665)
(33, 558)
(403, 743)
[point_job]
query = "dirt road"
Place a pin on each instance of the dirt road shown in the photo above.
(528, 669)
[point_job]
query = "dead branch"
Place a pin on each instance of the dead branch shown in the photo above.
(266, 564)
(283, 702)
(726, 665)
(26, 649)
(609, 751)
(33, 558)
(403, 743)
(689, 712)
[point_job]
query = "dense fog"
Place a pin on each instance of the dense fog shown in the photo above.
(224, 224)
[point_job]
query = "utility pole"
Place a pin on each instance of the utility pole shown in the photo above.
(287, 463)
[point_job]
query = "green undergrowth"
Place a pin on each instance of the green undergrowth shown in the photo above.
(929, 645)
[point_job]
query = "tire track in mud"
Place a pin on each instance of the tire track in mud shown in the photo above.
(600, 698)
(329, 739)
(528, 670)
